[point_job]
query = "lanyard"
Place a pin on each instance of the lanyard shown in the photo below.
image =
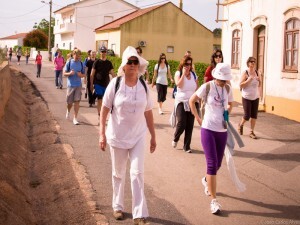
(222, 100)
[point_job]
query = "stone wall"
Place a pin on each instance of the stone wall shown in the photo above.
(5, 86)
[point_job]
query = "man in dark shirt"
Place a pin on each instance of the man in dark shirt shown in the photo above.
(89, 65)
(100, 76)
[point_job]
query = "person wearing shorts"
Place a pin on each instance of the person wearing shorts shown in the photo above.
(74, 71)
(99, 78)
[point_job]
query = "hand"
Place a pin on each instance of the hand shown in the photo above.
(72, 72)
(152, 145)
(102, 142)
(152, 85)
(199, 120)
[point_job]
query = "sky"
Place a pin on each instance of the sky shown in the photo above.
(18, 16)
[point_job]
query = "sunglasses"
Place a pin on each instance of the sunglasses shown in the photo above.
(187, 64)
(252, 62)
(103, 51)
(163, 58)
(134, 61)
(218, 56)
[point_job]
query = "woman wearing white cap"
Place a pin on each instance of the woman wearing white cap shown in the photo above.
(213, 126)
(130, 104)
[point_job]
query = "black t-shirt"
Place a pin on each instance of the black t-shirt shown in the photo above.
(89, 64)
(102, 72)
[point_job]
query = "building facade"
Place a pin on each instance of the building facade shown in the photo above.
(13, 40)
(269, 31)
(163, 28)
(75, 23)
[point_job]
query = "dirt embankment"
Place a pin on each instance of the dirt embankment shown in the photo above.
(40, 181)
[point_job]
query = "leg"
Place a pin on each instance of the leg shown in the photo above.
(119, 161)
(76, 109)
(56, 77)
(99, 105)
(188, 130)
(181, 122)
(254, 111)
(60, 79)
(136, 156)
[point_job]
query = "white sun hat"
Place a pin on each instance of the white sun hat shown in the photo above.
(222, 72)
(129, 52)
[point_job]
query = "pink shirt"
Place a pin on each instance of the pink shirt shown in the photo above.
(59, 63)
(38, 59)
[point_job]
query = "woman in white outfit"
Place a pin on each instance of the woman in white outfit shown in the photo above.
(131, 114)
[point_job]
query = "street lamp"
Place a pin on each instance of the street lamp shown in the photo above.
(49, 32)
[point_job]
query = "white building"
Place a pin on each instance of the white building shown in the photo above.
(12, 40)
(269, 31)
(75, 23)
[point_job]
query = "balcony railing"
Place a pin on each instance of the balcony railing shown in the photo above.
(64, 28)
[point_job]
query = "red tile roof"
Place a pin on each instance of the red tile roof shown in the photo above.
(117, 23)
(16, 36)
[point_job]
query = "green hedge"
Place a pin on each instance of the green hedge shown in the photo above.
(116, 61)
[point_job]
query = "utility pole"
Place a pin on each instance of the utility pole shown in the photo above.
(49, 32)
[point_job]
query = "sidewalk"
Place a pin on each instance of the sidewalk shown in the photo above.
(268, 166)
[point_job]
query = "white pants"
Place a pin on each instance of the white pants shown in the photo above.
(119, 159)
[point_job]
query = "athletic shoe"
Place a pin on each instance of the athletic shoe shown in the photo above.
(174, 144)
(160, 112)
(140, 221)
(215, 206)
(204, 182)
(67, 114)
(118, 215)
(75, 122)
(188, 151)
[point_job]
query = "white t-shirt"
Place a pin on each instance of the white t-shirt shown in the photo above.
(251, 92)
(213, 117)
(127, 123)
(162, 75)
(187, 90)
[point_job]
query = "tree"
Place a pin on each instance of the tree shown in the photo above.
(37, 39)
(217, 32)
(44, 27)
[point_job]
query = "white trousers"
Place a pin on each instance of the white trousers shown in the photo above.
(119, 159)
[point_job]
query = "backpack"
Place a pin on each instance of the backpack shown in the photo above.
(204, 98)
(69, 65)
(117, 86)
(248, 76)
(175, 87)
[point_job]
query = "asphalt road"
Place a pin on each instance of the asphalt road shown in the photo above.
(268, 166)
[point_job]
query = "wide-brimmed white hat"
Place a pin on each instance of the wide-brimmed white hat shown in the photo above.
(222, 72)
(129, 52)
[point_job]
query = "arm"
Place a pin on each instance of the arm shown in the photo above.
(245, 80)
(192, 102)
(92, 79)
(154, 77)
(169, 75)
(112, 72)
(230, 105)
(102, 136)
(150, 125)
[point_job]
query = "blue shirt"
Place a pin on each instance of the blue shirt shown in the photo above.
(74, 80)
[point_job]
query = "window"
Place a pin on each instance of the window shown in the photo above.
(71, 18)
(170, 49)
(291, 45)
(235, 51)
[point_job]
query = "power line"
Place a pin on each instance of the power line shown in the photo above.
(12, 17)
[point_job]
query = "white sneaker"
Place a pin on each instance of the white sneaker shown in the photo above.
(174, 144)
(160, 112)
(204, 182)
(215, 206)
(67, 115)
(75, 122)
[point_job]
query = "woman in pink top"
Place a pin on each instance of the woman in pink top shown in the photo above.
(59, 63)
(38, 62)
